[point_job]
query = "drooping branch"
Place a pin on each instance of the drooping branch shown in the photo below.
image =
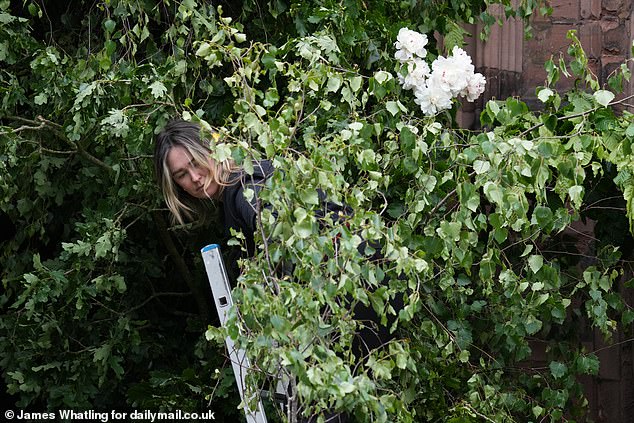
(40, 123)
(181, 266)
(576, 115)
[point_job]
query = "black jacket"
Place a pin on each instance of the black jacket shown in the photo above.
(239, 213)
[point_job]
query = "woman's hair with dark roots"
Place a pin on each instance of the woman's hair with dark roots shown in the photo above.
(191, 137)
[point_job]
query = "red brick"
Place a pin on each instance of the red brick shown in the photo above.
(591, 37)
(617, 8)
(609, 64)
(534, 76)
(613, 5)
(590, 9)
(615, 41)
(558, 41)
(547, 41)
(565, 9)
(609, 25)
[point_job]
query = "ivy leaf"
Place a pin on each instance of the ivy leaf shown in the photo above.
(40, 99)
(102, 353)
(588, 364)
(103, 246)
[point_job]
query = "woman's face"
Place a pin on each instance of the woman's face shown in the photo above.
(189, 175)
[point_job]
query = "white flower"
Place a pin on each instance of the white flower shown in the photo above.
(417, 72)
(435, 88)
(475, 87)
(432, 98)
(453, 72)
(409, 44)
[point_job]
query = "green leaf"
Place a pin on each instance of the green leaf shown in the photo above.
(40, 99)
(527, 250)
(532, 325)
(469, 196)
(158, 89)
(109, 25)
(576, 195)
(355, 83)
(577, 67)
(480, 166)
(557, 369)
(392, 107)
(544, 217)
(450, 230)
(334, 83)
(545, 94)
(382, 77)
(603, 97)
(102, 353)
(588, 364)
(222, 152)
(535, 262)
(493, 192)
(303, 229)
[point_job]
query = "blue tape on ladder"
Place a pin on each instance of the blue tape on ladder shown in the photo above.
(209, 248)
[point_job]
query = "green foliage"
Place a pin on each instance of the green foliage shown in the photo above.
(468, 229)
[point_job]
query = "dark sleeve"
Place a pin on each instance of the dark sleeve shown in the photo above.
(262, 170)
(240, 213)
(245, 211)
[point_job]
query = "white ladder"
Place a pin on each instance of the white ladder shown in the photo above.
(221, 290)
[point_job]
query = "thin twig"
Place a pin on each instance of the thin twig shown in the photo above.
(580, 114)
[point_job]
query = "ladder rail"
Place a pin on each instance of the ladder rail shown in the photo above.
(221, 290)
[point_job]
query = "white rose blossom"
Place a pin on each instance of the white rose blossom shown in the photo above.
(432, 97)
(410, 44)
(449, 77)
(475, 86)
(453, 71)
(417, 72)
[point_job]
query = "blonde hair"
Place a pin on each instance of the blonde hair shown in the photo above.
(188, 135)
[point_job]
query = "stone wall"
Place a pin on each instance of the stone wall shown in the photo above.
(514, 66)
(603, 26)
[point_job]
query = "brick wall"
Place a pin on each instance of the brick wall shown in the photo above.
(603, 26)
(514, 66)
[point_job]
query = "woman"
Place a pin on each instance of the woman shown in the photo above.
(187, 174)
